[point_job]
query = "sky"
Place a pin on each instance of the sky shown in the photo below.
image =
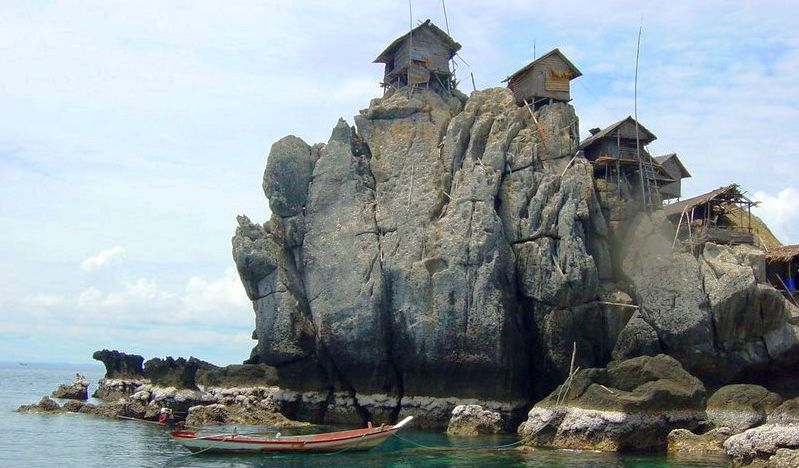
(133, 133)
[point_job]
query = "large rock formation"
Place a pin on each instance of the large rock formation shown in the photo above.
(120, 365)
(123, 373)
(448, 249)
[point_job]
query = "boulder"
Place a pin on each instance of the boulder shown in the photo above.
(78, 389)
(784, 458)
(684, 442)
(472, 420)
(289, 168)
(758, 445)
(741, 406)
(786, 413)
(237, 414)
(120, 365)
(629, 406)
(45, 405)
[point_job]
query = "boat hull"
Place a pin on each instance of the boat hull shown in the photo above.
(229, 444)
(352, 440)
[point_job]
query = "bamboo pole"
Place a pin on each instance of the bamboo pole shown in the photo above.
(620, 304)
(410, 46)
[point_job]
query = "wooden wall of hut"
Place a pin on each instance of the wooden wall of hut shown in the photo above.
(611, 147)
(671, 189)
(428, 52)
(540, 83)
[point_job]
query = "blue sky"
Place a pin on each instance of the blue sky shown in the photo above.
(132, 133)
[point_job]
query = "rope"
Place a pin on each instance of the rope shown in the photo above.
(181, 457)
(463, 449)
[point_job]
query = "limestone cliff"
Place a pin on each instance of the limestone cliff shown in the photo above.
(449, 248)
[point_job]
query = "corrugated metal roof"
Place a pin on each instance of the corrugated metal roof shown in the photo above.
(385, 56)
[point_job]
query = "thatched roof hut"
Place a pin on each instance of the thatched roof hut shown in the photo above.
(783, 254)
(707, 217)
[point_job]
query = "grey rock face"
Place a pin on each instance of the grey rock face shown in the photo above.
(668, 285)
(740, 407)
(701, 310)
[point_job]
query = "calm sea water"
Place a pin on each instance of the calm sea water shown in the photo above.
(41, 440)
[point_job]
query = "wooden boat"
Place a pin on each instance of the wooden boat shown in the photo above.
(352, 440)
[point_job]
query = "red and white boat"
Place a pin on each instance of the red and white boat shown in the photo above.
(355, 440)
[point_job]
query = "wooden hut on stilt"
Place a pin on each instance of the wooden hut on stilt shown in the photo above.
(421, 59)
(707, 217)
(670, 187)
(619, 152)
(782, 268)
(543, 81)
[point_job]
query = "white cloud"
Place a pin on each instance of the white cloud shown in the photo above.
(214, 302)
(104, 258)
(223, 297)
(46, 300)
(781, 213)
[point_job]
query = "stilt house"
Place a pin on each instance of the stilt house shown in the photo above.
(614, 153)
(722, 216)
(616, 144)
(420, 58)
(676, 171)
(782, 268)
(544, 80)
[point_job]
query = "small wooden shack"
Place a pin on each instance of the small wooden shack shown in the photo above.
(674, 168)
(708, 217)
(421, 57)
(616, 143)
(782, 268)
(544, 80)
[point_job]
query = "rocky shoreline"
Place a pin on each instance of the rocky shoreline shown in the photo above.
(647, 403)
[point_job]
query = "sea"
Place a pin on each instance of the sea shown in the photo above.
(78, 440)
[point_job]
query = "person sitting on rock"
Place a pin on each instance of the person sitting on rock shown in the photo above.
(166, 417)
